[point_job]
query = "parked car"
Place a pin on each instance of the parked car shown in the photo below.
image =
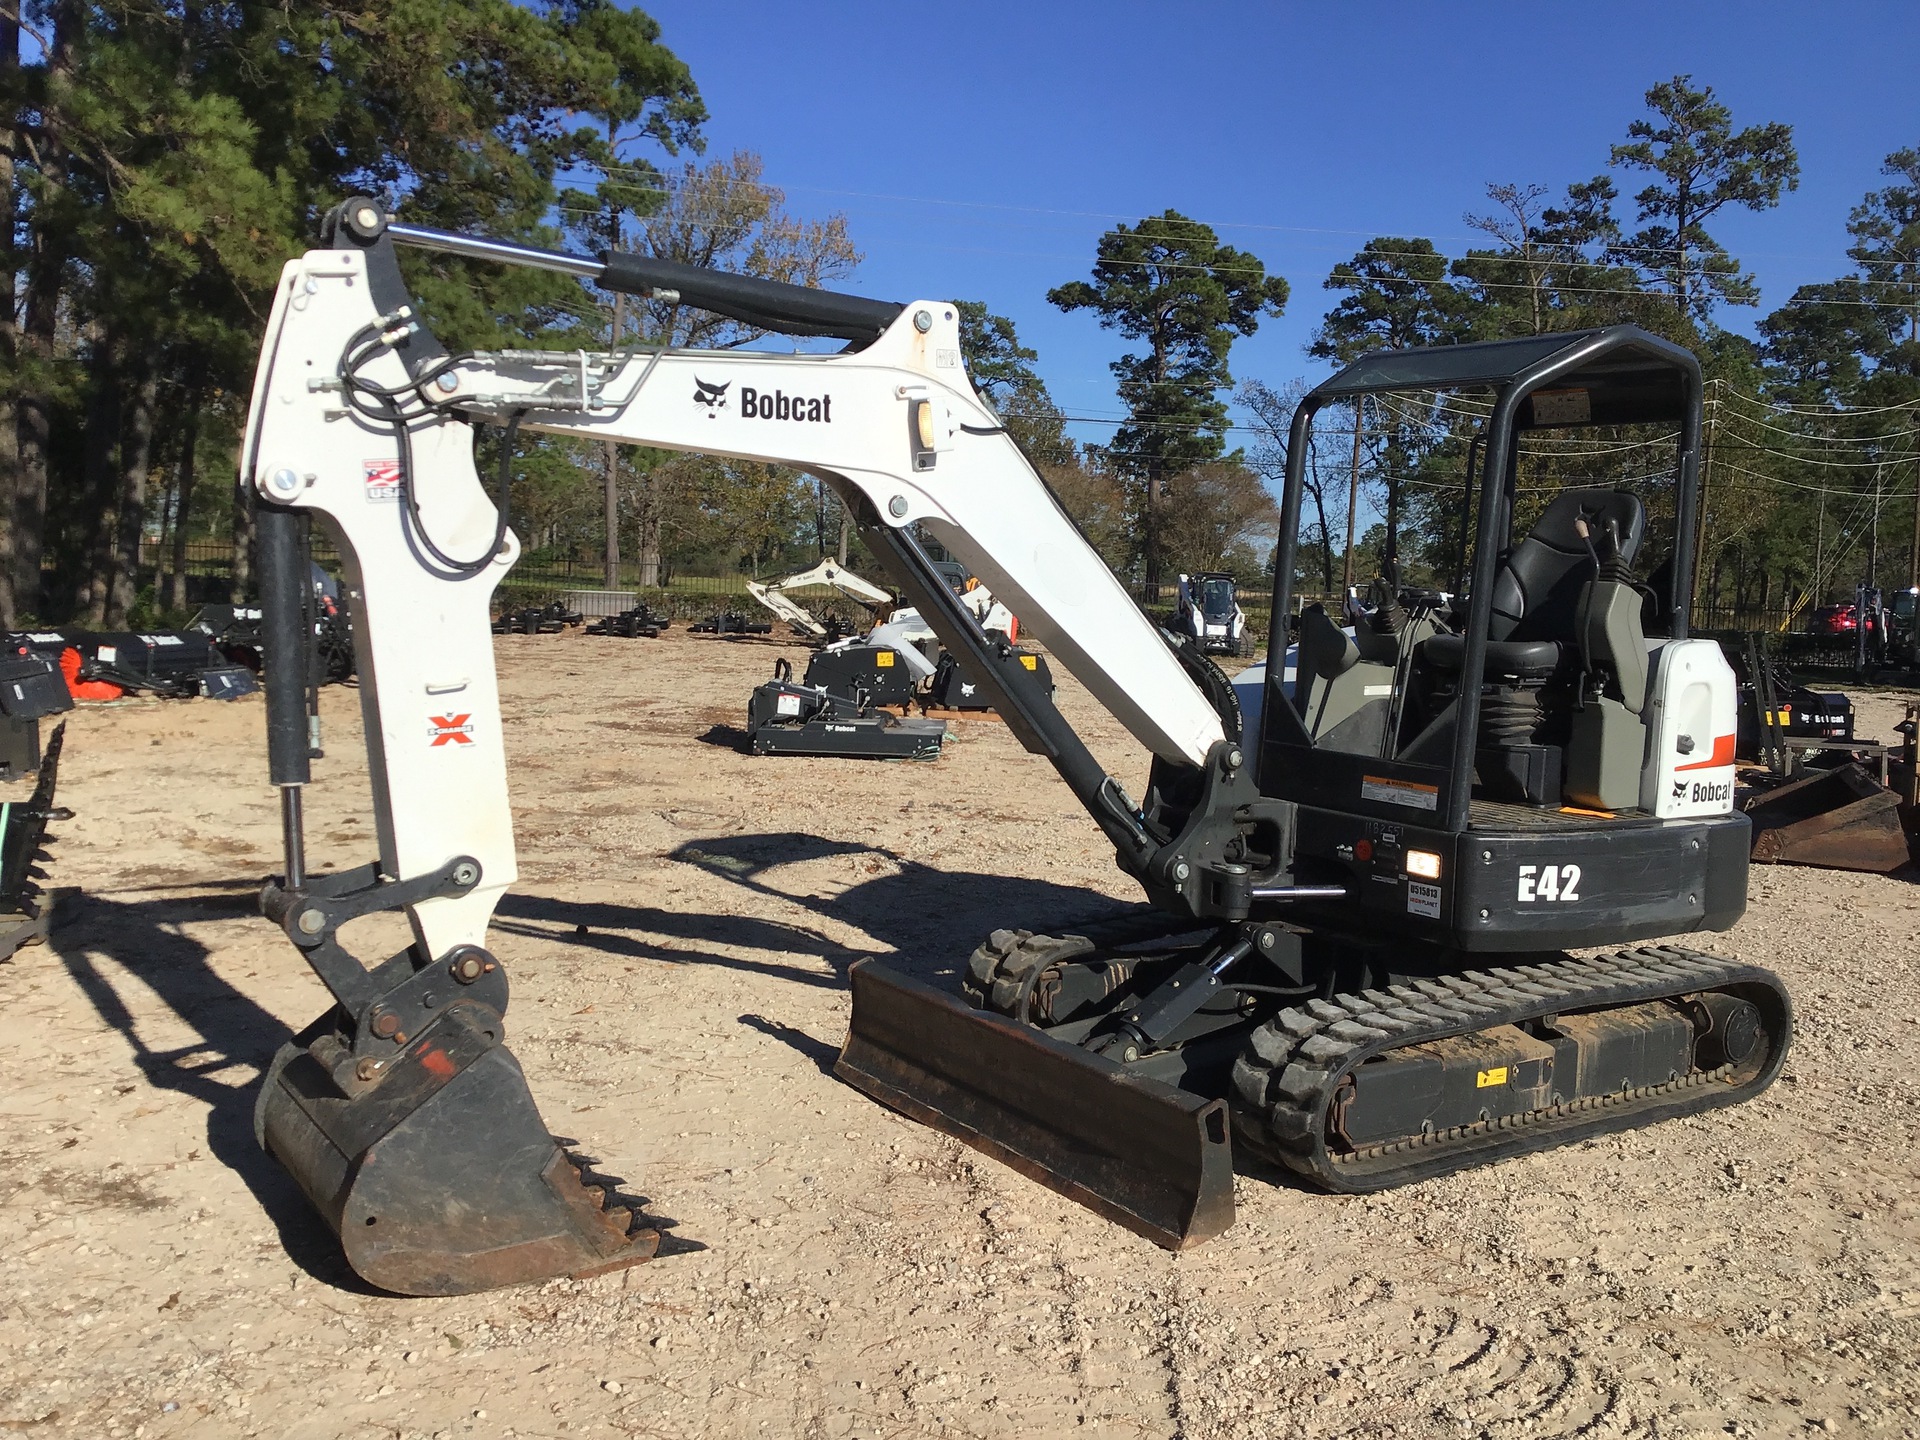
(1837, 620)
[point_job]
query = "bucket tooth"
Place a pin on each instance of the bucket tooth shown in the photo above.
(1147, 1155)
(440, 1178)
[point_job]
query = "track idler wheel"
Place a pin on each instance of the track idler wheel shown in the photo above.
(434, 1167)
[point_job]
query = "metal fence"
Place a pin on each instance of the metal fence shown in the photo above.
(208, 566)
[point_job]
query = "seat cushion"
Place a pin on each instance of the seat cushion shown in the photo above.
(1528, 659)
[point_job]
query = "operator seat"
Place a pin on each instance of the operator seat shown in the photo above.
(1536, 595)
(1540, 630)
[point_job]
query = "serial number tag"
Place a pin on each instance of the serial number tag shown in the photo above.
(1548, 882)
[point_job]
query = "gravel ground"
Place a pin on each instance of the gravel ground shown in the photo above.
(832, 1269)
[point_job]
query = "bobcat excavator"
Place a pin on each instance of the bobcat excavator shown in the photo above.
(1353, 962)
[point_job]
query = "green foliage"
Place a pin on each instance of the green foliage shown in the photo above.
(168, 160)
(1396, 296)
(1885, 227)
(1002, 372)
(1170, 282)
(1701, 165)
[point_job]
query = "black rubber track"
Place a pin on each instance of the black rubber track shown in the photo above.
(1293, 1066)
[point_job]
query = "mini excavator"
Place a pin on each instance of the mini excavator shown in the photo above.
(1354, 957)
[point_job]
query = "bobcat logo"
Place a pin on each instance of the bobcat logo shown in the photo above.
(714, 397)
(1680, 789)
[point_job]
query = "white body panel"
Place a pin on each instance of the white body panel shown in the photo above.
(981, 500)
(423, 637)
(1692, 720)
(424, 643)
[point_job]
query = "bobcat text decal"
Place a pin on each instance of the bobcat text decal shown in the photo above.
(758, 405)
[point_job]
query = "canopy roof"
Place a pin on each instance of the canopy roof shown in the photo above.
(1618, 375)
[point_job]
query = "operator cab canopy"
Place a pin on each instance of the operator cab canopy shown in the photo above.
(1629, 376)
(1493, 561)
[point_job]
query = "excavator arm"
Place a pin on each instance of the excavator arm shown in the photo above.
(774, 594)
(391, 1109)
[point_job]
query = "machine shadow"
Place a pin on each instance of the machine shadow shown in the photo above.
(929, 919)
(144, 938)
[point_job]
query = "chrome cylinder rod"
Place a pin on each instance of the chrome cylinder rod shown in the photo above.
(476, 247)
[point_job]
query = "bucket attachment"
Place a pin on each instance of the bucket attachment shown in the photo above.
(1142, 1153)
(1841, 819)
(437, 1174)
(25, 913)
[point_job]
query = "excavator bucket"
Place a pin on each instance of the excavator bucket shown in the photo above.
(1841, 819)
(440, 1178)
(1147, 1155)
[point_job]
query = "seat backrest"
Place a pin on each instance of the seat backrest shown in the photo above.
(1537, 592)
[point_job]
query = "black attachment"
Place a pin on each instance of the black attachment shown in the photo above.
(311, 914)
(24, 917)
(285, 631)
(406, 1119)
(764, 304)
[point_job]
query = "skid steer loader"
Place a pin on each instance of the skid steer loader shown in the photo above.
(1352, 959)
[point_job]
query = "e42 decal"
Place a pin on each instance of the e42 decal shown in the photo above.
(1549, 882)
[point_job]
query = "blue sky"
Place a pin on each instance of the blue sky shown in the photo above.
(980, 150)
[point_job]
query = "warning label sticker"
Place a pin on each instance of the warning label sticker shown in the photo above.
(383, 479)
(884, 660)
(1387, 790)
(1423, 899)
(1562, 407)
(786, 705)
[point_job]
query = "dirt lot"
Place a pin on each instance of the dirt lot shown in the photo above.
(838, 1271)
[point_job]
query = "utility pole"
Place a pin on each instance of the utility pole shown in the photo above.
(1873, 536)
(1913, 546)
(1353, 501)
(1819, 549)
(613, 466)
(1701, 529)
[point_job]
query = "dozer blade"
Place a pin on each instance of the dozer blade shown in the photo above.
(438, 1176)
(1144, 1154)
(1841, 819)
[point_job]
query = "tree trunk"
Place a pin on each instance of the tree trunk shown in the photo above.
(136, 452)
(1353, 502)
(12, 604)
(649, 536)
(613, 469)
(186, 473)
(100, 484)
(1150, 534)
(46, 271)
(846, 530)
(241, 581)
